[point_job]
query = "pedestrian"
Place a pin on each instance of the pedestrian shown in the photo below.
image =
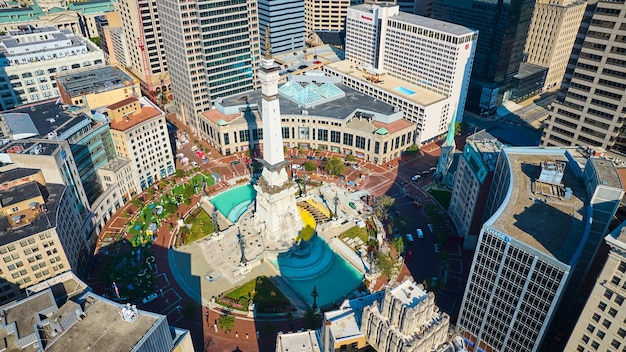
(246, 336)
(236, 334)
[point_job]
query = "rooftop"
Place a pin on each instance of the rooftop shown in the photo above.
(409, 293)
(31, 146)
(115, 164)
(487, 145)
(304, 341)
(40, 223)
(433, 24)
(338, 108)
(538, 214)
(64, 286)
(390, 84)
(607, 172)
(19, 193)
(148, 111)
(343, 324)
(7, 176)
(103, 329)
(96, 80)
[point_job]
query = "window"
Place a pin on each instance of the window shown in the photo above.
(606, 323)
(602, 306)
(621, 333)
(595, 345)
(596, 317)
(601, 334)
(622, 267)
(285, 132)
(226, 139)
(585, 339)
(608, 293)
(335, 137)
(615, 343)
(612, 312)
(591, 328)
(619, 300)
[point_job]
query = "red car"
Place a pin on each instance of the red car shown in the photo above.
(409, 256)
(417, 205)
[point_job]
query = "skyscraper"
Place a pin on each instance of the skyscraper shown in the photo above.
(146, 53)
(601, 325)
(551, 36)
(502, 27)
(324, 16)
(212, 49)
(592, 110)
(544, 217)
(285, 20)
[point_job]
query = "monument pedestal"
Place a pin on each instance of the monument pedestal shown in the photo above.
(276, 209)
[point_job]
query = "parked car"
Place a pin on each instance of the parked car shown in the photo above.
(420, 234)
(352, 205)
(431, 227)
(310, 157)
(194, 164)
(417, 204)
(432, 169)
(235, 162)
(416, 177)
(437, 249)
(409, 238)
(151, 297)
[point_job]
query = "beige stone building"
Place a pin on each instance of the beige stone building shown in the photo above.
(139, 132)
(324, 116)
(551, 36)
(40, 236)
(602, 324)
(324, 16)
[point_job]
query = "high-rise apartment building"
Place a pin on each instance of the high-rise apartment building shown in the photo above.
(602, 324)
(324, 16)
(434, 55)
(503, 26)
(30, 59)
(544, 220)
(551, 36)
(592, 109)
(139, 133)
(285, 20)
(144, 39)
(213, 51)
(471, 184)
(119, 46)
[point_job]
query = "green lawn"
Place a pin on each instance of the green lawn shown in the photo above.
(197, 180)
(360, 232)
(266, 296)
(201, 226)
(442, 196)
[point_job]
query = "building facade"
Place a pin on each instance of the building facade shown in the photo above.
(471, 184)
(285, 21)
(503, 26)
(601, 325)
(98, 87)
(41, 225)
(104, 24)
(396, 45)
(534, 247)
(144, 41)
(139, 133)
(591, 112)
(324, 16)
(213, 52)
(365, 128)
(551, 36)
(31, 59)
(78, 17)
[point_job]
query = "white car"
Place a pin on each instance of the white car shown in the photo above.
(437, 248)
(431, 227)
(420, 234)
(416, 177)
(151, 297)
(409, 238)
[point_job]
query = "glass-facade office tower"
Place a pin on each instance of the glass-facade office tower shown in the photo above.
(502, 28)
(285, 19)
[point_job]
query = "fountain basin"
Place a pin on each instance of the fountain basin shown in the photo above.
(234, 202)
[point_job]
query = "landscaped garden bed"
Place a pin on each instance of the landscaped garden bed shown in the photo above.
(201, 225)
(262, 291)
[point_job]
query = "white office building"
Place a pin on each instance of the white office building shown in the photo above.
(285, 19)
(31, 57)
(433, 54)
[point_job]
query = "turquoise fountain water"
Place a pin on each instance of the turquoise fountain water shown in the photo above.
(311, 263)
(234, 202)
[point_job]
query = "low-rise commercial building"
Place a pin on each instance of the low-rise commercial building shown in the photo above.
(31, 58)
(317, 114)
(98, 87)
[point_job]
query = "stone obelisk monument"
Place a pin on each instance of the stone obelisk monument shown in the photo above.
(276, 211)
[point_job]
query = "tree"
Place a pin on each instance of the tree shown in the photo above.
(382, 205)
(136, 202)
(309, 166)
(385, 264)
(414, 148)
(460, 127)
(335, 166)
(226, 322)
(350, 157)
(179, 173)
(398, 244)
